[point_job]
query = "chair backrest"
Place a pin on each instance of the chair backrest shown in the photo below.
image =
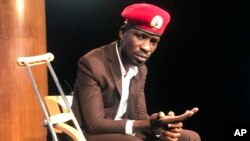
(56, 105)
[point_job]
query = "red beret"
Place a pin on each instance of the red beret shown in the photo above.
(147, 17)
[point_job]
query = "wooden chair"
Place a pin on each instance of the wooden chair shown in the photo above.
(58, 111)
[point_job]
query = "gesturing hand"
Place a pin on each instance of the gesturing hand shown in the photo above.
(165, 120)
(158, 120)
(173, 132)
(172, 125)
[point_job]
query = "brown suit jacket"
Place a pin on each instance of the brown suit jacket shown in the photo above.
(98, 92)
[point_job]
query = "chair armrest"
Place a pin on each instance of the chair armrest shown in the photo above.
(69, 130)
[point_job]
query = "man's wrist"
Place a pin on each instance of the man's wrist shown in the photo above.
(155, 124)
(140, 125)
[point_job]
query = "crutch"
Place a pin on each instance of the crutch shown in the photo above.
(50, 121)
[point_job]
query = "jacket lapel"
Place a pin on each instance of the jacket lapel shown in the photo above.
(114, 66)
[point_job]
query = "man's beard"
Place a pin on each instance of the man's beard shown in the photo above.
(130, 59)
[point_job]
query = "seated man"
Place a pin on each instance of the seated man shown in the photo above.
(109, 100)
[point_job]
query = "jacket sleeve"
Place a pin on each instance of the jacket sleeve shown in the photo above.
(90, 100)
(142, 107)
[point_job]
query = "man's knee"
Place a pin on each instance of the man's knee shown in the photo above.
(113, 137)
(132, 138)
(189, 135)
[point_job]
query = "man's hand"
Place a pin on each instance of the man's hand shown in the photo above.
(173, 132)
(165, 120)
(158, 120)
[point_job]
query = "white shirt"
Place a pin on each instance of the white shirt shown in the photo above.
(126, 77)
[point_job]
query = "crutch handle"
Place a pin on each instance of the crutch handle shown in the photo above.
(35, 60)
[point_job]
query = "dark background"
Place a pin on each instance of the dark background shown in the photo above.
(203, 58)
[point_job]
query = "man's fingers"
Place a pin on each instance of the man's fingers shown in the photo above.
(195, 110)
(161, 114)
(175, 125)
(171, 136)
(170, 113)
(171, 119)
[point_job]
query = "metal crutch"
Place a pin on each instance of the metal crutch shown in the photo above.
(50, 120)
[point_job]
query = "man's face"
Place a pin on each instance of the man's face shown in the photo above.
(138, 46)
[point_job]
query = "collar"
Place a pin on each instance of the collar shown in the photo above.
(133, 70)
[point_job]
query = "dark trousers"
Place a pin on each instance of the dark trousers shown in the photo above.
(186, 135)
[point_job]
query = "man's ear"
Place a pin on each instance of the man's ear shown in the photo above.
(121, 34)
(122, 31)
